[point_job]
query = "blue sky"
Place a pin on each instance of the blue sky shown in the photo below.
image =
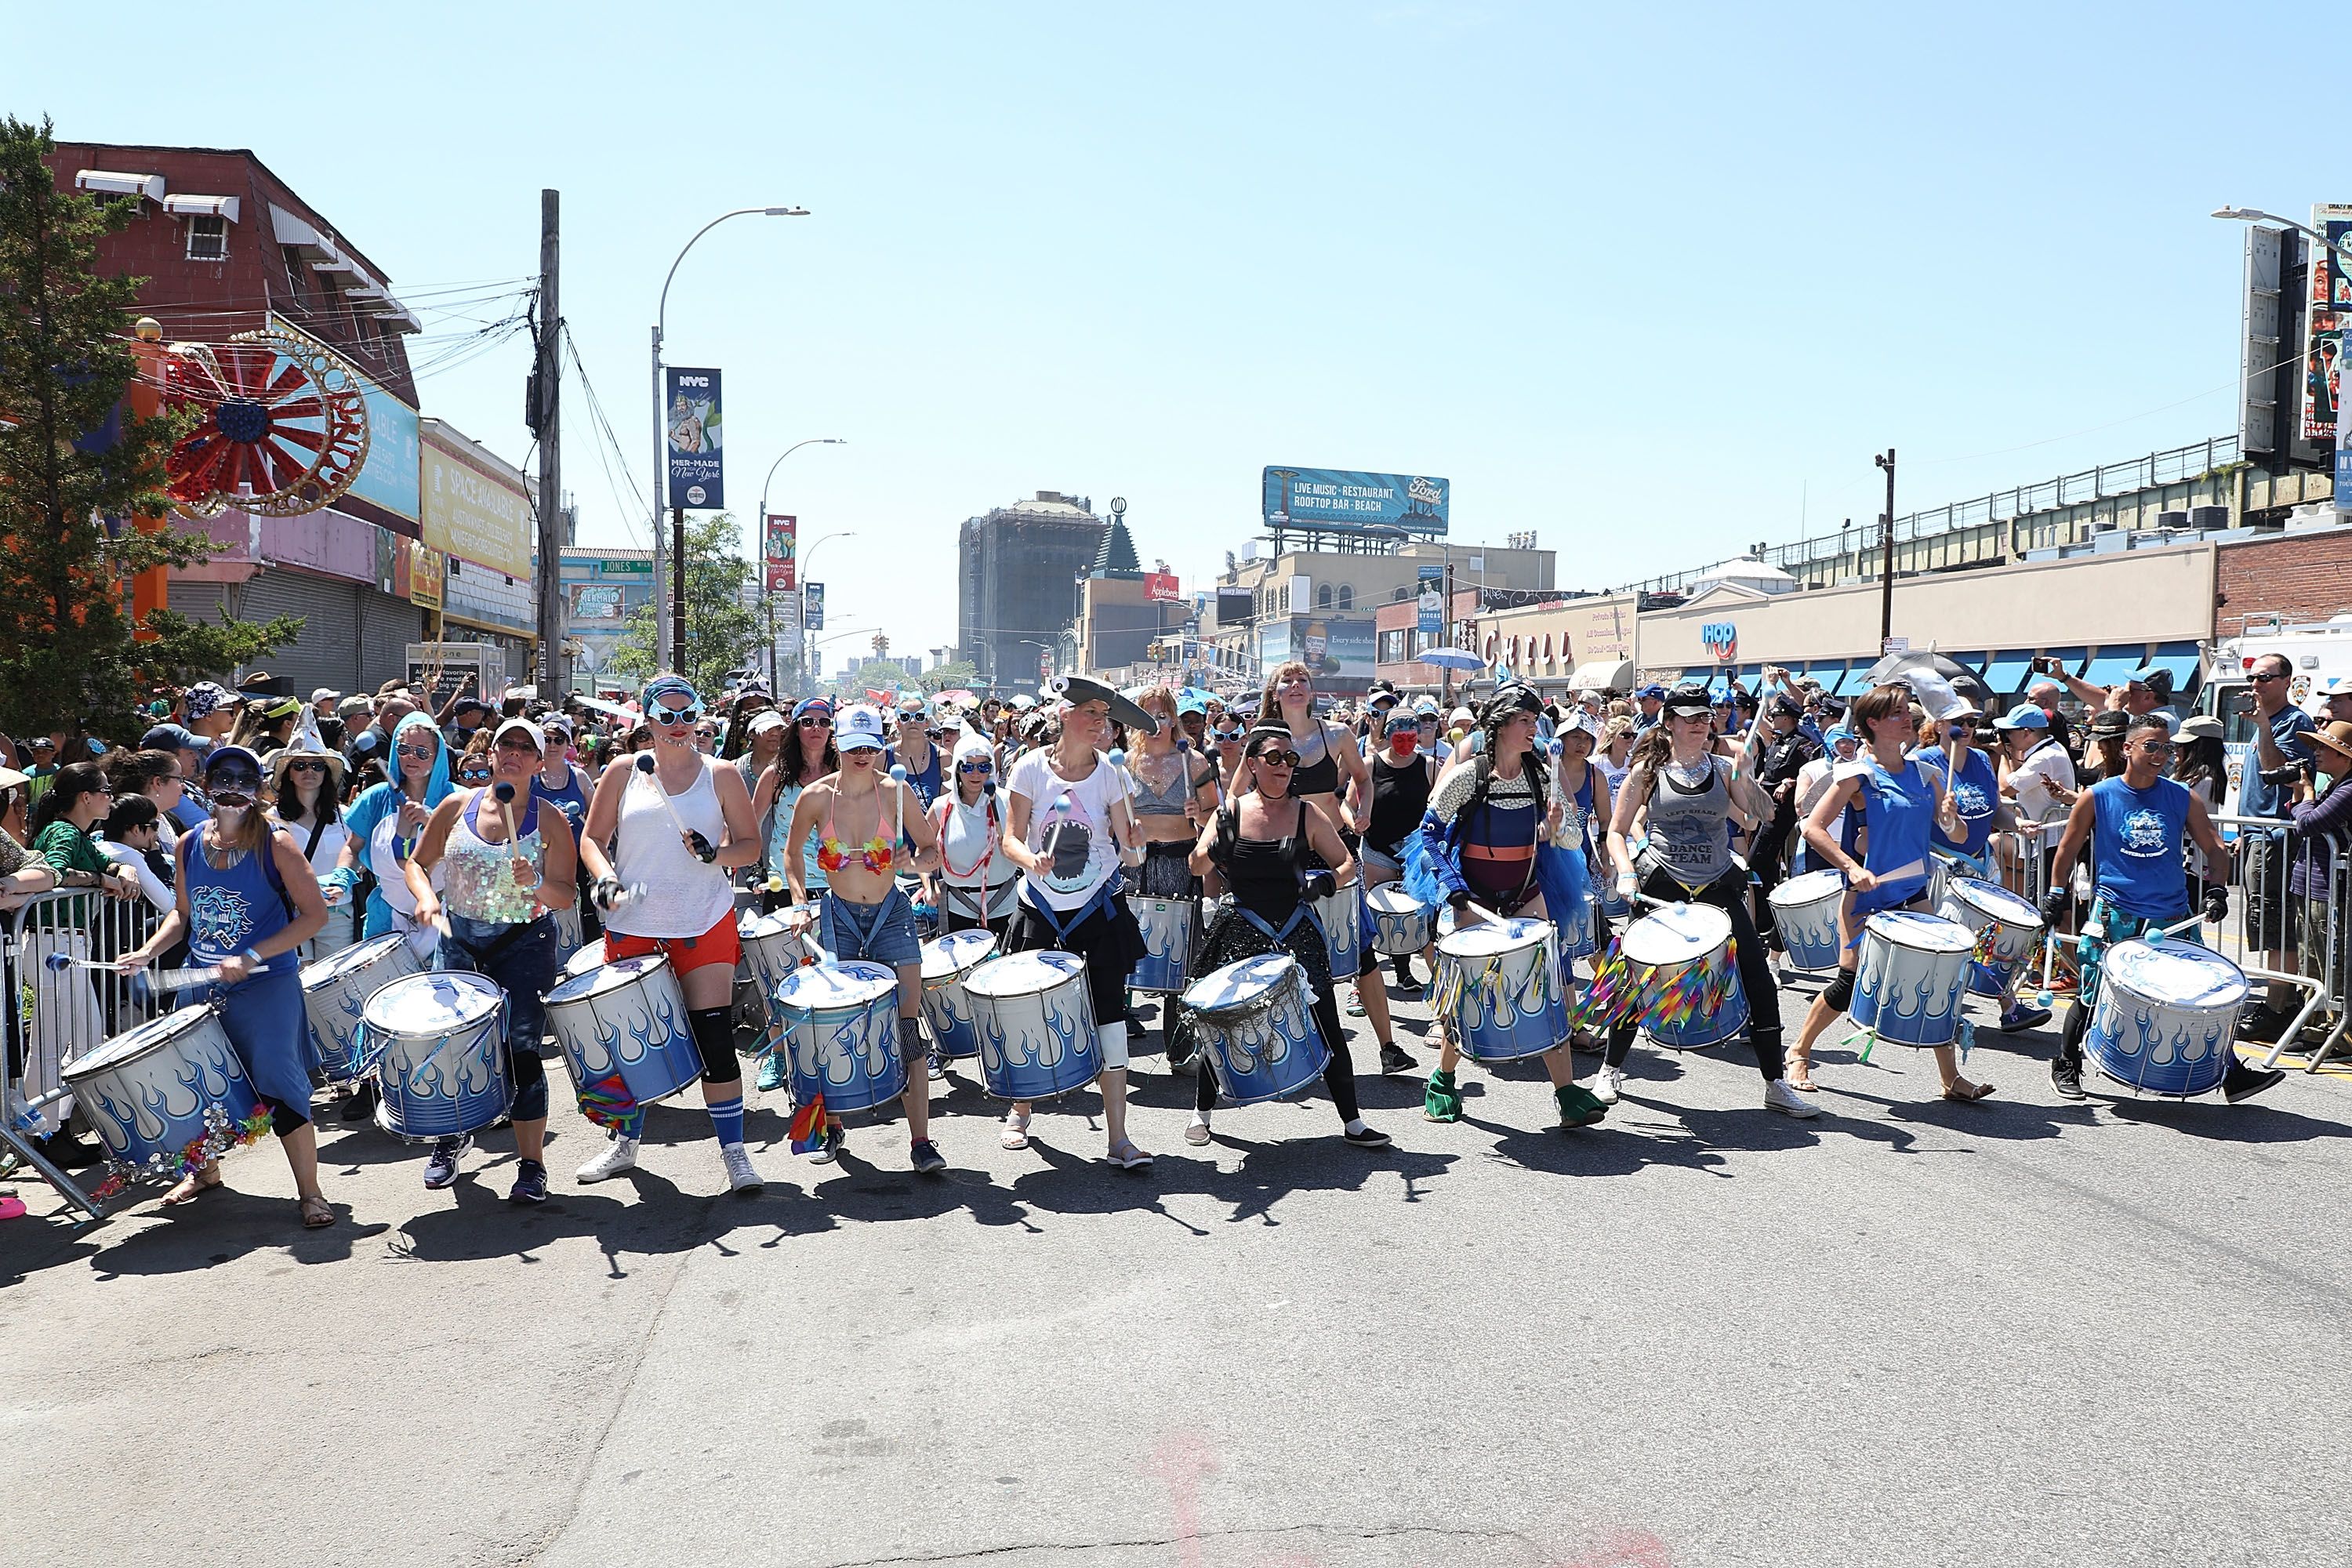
(1650, 281)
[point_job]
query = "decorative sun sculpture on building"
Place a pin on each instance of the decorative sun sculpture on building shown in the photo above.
(284, 431)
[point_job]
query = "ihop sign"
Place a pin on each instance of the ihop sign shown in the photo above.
(1722, 639)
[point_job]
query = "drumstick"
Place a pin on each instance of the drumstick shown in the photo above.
(646, 764)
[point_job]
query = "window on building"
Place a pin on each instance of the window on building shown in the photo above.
(1547, 650)
(1401, 595)
(1323, 598)
(207, 237)
(297, 271)
(1347, 597)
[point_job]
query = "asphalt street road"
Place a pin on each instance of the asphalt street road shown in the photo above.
(1908, 1333)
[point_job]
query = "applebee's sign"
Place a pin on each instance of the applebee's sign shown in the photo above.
(1722, 639)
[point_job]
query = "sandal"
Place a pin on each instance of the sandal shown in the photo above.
(1128, 1157)
(193, 1182)
(318, 1214)
(1016, 1129)
(1798, 1072)
(1967, 1095)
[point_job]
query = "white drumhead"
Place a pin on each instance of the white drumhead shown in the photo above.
(138, 1042)
(441, 1003)
(1489, 939)
(1676, 934)
(1025, 974)
(775, 922)
(2175, 974)
(945, 957)
(1811, 887)
(1390, 898)
(336, 965)
(1239, 985)
(607, 977)
(825, 987)
(1922, 933)
(1998, 902)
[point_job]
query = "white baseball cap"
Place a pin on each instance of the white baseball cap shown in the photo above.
(860, 729)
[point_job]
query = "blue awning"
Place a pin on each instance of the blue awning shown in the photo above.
(2069, 657)
(2005, 675)
(1851, 681)
(2181, 658)
(2114, 665)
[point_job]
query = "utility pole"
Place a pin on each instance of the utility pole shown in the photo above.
(1446, 672)
(1887, 552)
(547, 423)
(678, 589)
(663, 657)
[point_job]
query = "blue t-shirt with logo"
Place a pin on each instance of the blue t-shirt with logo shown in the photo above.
(1976, 796)
(2136, 847)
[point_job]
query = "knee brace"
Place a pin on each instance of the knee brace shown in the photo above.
(1112, 1037)
(714, 1036)
(283, 1117)
(1841, 991)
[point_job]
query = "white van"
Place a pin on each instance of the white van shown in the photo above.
(2312, 649)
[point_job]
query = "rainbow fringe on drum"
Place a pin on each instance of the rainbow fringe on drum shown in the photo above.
(1617, 996)
(807, 1128)
(607, 1102)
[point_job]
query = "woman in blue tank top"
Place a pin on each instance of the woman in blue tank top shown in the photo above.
(247, 902)
(1902, 802)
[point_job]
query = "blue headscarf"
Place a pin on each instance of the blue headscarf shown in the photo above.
(662, 686)
(437, 786)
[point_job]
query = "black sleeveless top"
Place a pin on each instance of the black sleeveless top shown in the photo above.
(1263, 873)
(1400, 796)
(1322, 776)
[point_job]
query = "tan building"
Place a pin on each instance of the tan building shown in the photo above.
(1587, 644)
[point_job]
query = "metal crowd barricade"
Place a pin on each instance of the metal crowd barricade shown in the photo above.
(2286, 886)
(57, 1009)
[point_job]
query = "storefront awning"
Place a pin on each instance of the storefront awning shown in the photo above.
(1852, 680)
(2184, 662)
(2005, 675)
(1602, 675)
(2114, 665)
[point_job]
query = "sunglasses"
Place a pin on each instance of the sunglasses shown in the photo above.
(1279, 759)
(418, 752)
(477, 773)
(305, 765)
(817, 721)
(1959, 723)
(975, 767)
(2261, 679)
(519, 743)
(674, 716)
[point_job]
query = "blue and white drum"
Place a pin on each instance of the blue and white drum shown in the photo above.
(2007, 928)
(442, 1039)
(2166, 1015)
(1578, 933)
(947, 963)
(624, 1033)
(171, 1082)
(927, 914)
(1907, 986)
(1502, 978)
(840, 1025)
(1036, 1024)
(335, 992)
(1341, 913)
(1169, 925)
(1805, 913)
(586, 959)
(1680, 957)
(1613, 903)
(1401, 925)
(1253, 1018)
(772, 949)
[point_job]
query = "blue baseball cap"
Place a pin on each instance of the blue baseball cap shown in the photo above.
(2026, 718)
(1652, 689)
(171, 738)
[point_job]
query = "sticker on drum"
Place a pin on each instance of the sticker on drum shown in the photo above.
(840, 1025)
(947, 962)
(335, 992)
(1253, 1017)
(2166, 1013)
(625, 1035)
(1907, 982)
(1679, 959)
(1037, 1023)
(443, 1037)
(1499, 983)
(1401, 925)
(1805, 913)
(173, 1082)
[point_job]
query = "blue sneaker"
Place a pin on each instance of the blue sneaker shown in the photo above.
(772, 1072)
(2022, 1016)
(441, 1169)
(530, 1183)
(927, 1156)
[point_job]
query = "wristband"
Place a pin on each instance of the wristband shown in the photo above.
(253, 958)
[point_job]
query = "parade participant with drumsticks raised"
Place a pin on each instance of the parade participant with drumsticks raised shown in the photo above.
(1403, 777)
(869, 828)
(1483, 847)
(384, 822)
(1258, 842)
(2135, 824)
(1899, 801)
(1330, 763)
(1070, 830)
(678, 822)
(505, 869)
(976, 882)
(1690, 798)
(247, 903)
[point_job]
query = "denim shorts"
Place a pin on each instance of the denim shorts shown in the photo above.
(879, 933)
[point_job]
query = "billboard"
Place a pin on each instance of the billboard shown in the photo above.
(473, 512)
(1335, 647)
(691, 422)
(2329, 300)
(423, 576)
(389, 476)
(1235, 607)
(2331, 286)
(598, 603)
(1430, 604)
(1161, 588)
(813, 606)
(782, 551)
(1338, 500)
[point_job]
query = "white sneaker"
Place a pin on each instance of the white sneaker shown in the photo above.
(740, 1176)
(1779, 1097)
(619, 1156)
(1606, 1084)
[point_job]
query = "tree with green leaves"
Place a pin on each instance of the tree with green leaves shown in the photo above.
(74, 467)
(721, 633)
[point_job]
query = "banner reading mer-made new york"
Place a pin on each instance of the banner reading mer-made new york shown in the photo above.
(690, 419)
(1334, 500)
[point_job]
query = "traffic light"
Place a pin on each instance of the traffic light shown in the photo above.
(881, 645)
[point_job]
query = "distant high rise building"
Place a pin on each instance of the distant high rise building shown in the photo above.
(1016, 583)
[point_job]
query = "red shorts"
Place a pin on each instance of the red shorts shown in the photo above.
(719, 945)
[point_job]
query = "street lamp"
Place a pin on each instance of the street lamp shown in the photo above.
(766, 596)
(1050, 652)
(806, 557)
(2256, 214)
(668, 635)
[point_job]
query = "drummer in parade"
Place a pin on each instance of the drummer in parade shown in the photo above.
(1897, 803)
(1403, 777)
(247, 902)
(678, 822)
(2136, 826)
(1483, 847)
(1070, 831)
(868, 828)
(1175, 791)
(507, 862)
(976, 882)
(1259, 842)
(1975, 791)
(1690, 798)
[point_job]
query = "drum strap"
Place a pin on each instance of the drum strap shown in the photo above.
(499, 943)
(1063, 922)
(1279, 938)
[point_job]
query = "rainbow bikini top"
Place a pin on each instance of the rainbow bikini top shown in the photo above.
(877, 853)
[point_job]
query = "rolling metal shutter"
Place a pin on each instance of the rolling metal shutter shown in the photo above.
(387, 625)
(326, 652)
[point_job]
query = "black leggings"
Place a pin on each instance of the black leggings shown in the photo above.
(1338, 1073)
(1729, 893)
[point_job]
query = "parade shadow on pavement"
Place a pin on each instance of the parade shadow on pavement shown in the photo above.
(221, 1226)
(2253, 1122)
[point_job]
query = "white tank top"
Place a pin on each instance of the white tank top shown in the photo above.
(683, 896)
